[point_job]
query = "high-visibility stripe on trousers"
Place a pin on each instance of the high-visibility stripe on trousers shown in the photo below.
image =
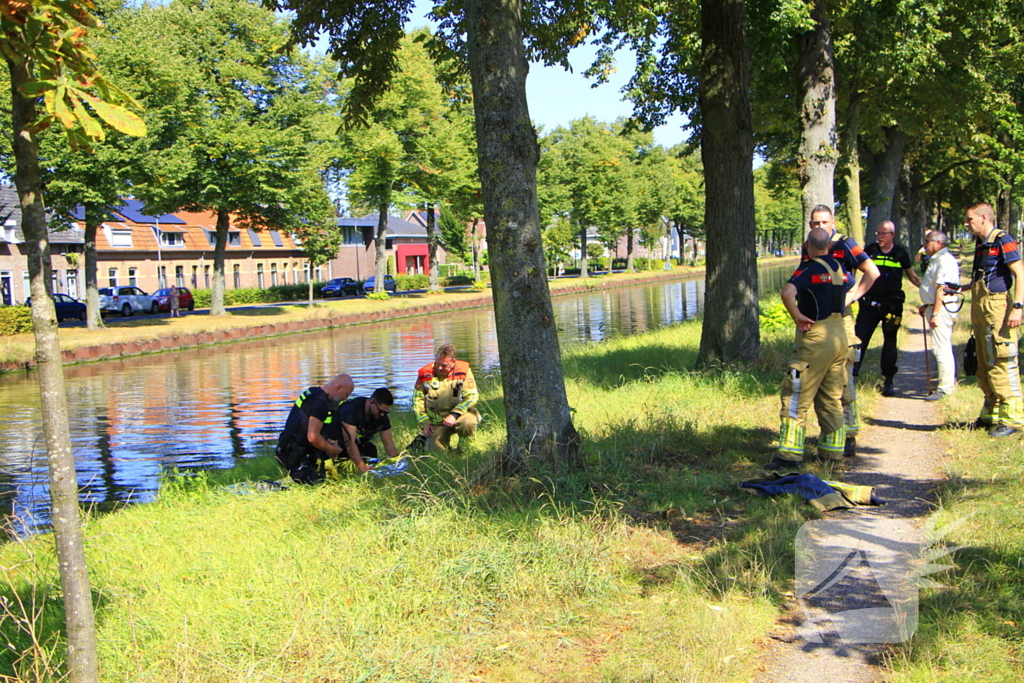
(998, 367)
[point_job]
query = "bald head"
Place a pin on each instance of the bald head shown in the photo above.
(818, 240)
(339, 388)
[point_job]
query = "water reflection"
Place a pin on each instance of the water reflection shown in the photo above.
(133, 419)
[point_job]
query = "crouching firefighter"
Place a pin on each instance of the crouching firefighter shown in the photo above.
(815, 297)
(302, 443)
(445, 400)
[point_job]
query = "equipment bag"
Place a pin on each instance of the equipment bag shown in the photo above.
(970, 358)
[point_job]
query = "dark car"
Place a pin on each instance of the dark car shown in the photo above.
(67, 307)
(163, 299)
(389, 284)
(340, 286)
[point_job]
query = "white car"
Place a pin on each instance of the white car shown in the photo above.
(126, 301)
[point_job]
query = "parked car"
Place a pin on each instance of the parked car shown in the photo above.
(389, 284)
(163, 299)
(340, 286)
(66, 306)
(126, 301)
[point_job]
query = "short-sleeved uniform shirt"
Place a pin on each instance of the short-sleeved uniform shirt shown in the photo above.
(313, 402)
(353, 412)
(992, 260)
(816, 294)
(845, 250)
(890, 267)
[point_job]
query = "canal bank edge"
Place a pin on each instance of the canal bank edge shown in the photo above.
(116, 350)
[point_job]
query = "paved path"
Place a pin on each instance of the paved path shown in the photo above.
(899, 454)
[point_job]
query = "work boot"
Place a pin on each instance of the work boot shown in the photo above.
(1002, 430)
(887, 388)
(777, 464)
(981, 423)
(850, 448)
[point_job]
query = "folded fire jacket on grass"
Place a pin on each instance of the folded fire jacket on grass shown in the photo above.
(823, 495)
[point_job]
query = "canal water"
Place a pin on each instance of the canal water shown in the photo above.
(133, 419)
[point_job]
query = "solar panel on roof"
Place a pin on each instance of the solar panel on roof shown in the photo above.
(276, 236)
(255, 238)
(133, 209)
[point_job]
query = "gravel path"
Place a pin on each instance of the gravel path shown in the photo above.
(899, 454)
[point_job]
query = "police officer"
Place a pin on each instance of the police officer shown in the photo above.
(815, 297)
(997, 299)
(302, 443)
(356, 422)
(444, 400)
(852, 258)
(884, 301)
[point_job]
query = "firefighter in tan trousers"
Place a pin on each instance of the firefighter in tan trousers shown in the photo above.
(445, 400)
(815, 297)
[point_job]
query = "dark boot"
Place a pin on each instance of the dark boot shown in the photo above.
(887, 388)
(1002, 430)
(777, 464)
(850, 447)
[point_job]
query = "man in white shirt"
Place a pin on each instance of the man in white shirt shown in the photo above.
(938, 308)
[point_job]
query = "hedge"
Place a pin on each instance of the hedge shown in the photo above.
(253, 295)
(15, 320)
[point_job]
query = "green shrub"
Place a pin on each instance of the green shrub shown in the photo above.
(15, 320)
(406, 282)
(775, 317)
(460, 280)
(253, 295)
(382, 295)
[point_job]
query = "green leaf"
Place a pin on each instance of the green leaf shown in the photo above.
(117, 117)
(37, 88)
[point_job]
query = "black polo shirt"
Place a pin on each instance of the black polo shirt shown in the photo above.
(889, 284)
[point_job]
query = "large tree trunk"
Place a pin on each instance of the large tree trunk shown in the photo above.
(217, 290)
(583, 252)
(816, 92)
(74, 577)
(629, 252)
(432, 239)
(380, 261)
(537, 417)
(94, 316)
(731, 327)
(852, 153)
(885, 175)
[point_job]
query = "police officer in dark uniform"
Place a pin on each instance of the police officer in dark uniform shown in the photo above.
(302, 442)
(815, 296)
(884, 301)
(355, 423)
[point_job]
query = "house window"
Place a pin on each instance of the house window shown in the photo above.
(120, 238)
(319, 274)
(161, 277)
(211, 237)
(9, 225)
(276, 236)
(172, 239)
(234, 239)
(206, 276)
(259, 275)
(238, 276)
(54, 283)
(255, 238)
(273, 275)
(195, 276)
(132, 279)
(28, 284)
(112, 277)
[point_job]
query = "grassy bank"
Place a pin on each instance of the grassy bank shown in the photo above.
(20, 349)
(647, 565)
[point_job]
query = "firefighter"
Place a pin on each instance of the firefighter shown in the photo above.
(852, 258)
(815, 297)
(444, 400)
(301, 443)
(995, 316)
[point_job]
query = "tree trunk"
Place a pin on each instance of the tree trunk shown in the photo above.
(380, 261)
(852, 151)
(309, 281)
(911, 233)
(730, 329)
(816, 92)
(93, 314)
(629, 252)
(537, 417)
(79, 619)
(583, 252)
(432, 239)
(475, 246)
(885, 175)
(217, 290)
